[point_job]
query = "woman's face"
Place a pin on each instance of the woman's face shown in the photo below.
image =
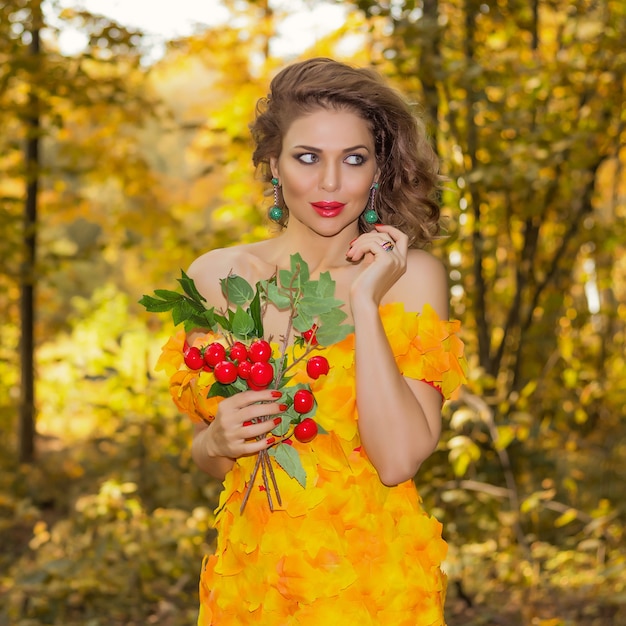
(326, 168)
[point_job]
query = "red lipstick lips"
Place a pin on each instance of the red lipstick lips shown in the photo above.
(328, 209)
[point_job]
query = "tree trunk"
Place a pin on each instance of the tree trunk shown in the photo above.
(28, 275)
(431, 59)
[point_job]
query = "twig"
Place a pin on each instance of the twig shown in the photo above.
(246, 495)
(272, 474)
(283, 349)
(309, 349)
(264, 461)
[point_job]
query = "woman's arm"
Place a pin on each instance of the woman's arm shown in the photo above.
(399, 418)
(216, 466)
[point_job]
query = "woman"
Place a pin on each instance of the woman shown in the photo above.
(354, 180)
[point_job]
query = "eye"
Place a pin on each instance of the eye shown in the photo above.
(307, 157)
(355, 159)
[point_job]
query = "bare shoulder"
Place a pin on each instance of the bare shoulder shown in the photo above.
(207, 270)
(424, 282)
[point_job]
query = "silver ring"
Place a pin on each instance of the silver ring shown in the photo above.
(387, 246)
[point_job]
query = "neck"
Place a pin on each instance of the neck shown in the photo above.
(321, 253)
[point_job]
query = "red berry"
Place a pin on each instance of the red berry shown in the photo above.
(261, 374)
(259, 351)
(303, 401)
(317, 366)
(309, 335)
(193, 359)
(243, 369)
(225, 372)
(238, 352)
(306, 430)
(214, 353)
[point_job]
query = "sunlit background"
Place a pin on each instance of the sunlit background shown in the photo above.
(127, 131)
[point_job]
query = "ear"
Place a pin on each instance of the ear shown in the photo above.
(377, 176)
(274, 167)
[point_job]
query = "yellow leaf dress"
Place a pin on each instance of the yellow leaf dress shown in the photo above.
(345, 549)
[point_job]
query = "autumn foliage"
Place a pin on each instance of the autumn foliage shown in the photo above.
(143, 164)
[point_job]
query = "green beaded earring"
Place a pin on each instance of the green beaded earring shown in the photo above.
(275, 213)
(370, 215)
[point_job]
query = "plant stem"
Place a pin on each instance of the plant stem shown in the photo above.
(268, 491)
(270, 469)
(246, 495)
(308, 351)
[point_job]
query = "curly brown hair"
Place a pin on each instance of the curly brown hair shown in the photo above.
(409, 180)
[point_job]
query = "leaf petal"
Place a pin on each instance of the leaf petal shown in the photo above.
(242, 324)
(289, 460)
(154, 305)
(237, 290)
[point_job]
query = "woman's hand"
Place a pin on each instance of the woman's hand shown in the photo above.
(384, 252)
(234, 433)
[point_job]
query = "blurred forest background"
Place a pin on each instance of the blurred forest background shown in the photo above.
(117, 169)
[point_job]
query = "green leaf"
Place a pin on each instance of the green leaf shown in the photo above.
(240, 385)
(289, 460)
(219, 389)
(154, 305)
(207, 319)
(242, 324)
(236, 290)
(193, 324)
(325, 286)
(302, 322)
(223, 322)
(277, 297)
(285, 278)
(182, 311)
(299, 268)
(291, 415)
(329, 334)
(167, 294)
(333, 318)
(331, 327)
(316, 306)
(189, 287)
(255, 311)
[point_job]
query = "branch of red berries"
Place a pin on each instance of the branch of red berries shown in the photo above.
(242, 367)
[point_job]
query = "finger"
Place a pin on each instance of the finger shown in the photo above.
(253, 430)
(398, 238)
(253, 447)
(248, 398)
(376, 244)
(255, 411)
(364, 244)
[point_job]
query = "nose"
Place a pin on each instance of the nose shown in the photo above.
(330, 177)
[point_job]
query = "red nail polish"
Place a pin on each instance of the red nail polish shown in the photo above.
(277, 421)
(283, 407)
(270, 440)
(352, 241)
(277, 394)
(247, 423)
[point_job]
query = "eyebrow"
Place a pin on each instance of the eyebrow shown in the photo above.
(313, 149)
